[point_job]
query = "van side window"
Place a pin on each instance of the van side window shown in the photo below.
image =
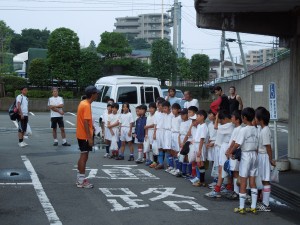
(148, 94)
(127, 94)
(106, 93)
(100, 89)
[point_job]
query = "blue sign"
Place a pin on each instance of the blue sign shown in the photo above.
(273, 101)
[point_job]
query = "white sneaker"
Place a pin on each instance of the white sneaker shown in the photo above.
(173, 171)
(25, 136)
(25, 143)
(106, 155)
(22, 145)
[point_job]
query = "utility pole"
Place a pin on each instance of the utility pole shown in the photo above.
(162, 19)
(222, 53)
(233, 64)
(179, 30)
(242, 52)
(175, 27)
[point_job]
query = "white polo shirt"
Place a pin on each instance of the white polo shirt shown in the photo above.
(55, 101)
(24, 104)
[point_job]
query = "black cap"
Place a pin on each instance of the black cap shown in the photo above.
(183, 111)
(91, 90)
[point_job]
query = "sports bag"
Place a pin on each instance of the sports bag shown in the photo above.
(13, 111)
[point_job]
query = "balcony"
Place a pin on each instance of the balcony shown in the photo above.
(126, 24)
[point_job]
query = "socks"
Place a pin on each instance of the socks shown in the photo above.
(80, 178)
(155, 158)
(198, 172)
(194, 165)
(20, 140)
(235, 187)
(64, 140)
(253, 197)
(151, 156)
(266, 195)
(242, 200)
(161, 157)
(147, 156)
(171, 162)
(202, 174)
(55, 140)
(107, 148)
(140, 153)
(184, 168)
(217, 188)
(189, 168)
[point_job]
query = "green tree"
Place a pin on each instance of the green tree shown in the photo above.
(184, 68)
(92, 47)
(63, 54)
(38, 72)
(6, 34)
(90, 68)
(29, 38)
(163, 60)
(113, 45)
(138, 43)
(200, 67)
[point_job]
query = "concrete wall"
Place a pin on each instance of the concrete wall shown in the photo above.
(40, 105)
(277, 73)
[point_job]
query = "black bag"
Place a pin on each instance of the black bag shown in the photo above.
(186, 148)
(237, 154)
(13, 111)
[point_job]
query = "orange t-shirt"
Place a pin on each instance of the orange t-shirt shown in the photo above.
(84, 113)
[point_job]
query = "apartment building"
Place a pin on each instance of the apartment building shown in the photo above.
(146, 26)
(259, 56)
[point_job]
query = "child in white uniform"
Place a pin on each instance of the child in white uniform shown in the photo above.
(113, 126)
(149, 131)
(167, 140)
(262, 117)
(105, 130)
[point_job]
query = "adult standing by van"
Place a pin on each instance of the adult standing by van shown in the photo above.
(55, 104)
(22, 105)
(235, 101)
(171, 96)
(190, 101)
(84, 134)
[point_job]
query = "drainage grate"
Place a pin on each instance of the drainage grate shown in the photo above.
(286, 195)
(14, 175)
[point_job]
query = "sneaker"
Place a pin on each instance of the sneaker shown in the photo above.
(153, 165)
(212, 185)
(169, 169)
(148, 163)
(131, 158)
(25, 143)
(261, 207)
(120, 157)
(159, 167)
(251, 210)
(106, 155)
(194, 180)
(178, 174)
(139, 161)
(173, 171)
(197, 184)
(85, 184)
(213, 194)
(66, 144)
(240, 211)
(21, 144)
(225, 191)
(25, 137)
(55, 144)
(232, 196)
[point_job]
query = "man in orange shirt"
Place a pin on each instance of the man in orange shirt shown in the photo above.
(84, 134)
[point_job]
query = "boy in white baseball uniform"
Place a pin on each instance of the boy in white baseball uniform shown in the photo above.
(262, 117)
(247, 140)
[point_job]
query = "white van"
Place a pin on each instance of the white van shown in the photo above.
(122, 88)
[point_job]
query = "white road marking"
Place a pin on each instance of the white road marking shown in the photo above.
(120, 165)
(44, 200)
(16, 124)
(73, 114)
(272, 200)
(32, 113)
(70, 123)
(92, 174)
(175, 207)
(16, 183)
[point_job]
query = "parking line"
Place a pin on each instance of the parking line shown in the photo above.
(73, 114)
(16, 123)
(44, 200)
(32, 113)
(70, 123)
(16, 183)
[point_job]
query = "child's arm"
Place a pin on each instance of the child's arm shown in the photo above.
(114, 124)
(130, 129)
(189, 133)
(269, 152)
(199, 153)
(154, 134)
(229, 150)
(217, 121)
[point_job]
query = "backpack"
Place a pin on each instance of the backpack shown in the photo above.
(13, 110)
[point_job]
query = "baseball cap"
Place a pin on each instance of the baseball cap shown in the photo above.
(193, 117)
(90, 90)
(183, 111)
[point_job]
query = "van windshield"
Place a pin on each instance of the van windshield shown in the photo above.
(104, 93)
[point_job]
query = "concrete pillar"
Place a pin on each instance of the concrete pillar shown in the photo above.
(294, 104)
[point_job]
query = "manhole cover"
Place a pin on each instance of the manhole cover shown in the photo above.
(14, 175)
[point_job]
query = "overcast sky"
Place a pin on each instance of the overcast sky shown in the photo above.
(90, 18)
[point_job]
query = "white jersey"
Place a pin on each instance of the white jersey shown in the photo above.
(212, 132)
(126, 119)
(184, 127)
(224, 133)
(194, 102)
(159, 120)
(113, 118)
(175, 124)
(265, 138)
(167, 121)
(24, 104)
(55, 101)
(248, 138)
(193, 133)
(201, 132)
(235, 133)
(150, 121)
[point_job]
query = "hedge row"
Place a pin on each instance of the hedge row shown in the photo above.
(46, 94)
(12, 83)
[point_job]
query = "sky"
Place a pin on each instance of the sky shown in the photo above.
(90, 18)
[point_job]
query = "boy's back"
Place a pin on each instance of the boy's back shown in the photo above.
(248, 138)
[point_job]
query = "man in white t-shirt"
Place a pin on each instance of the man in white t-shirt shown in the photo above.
(55, 104)
(22, 105)
(190, 101)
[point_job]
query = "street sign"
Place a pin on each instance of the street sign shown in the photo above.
(273, 101)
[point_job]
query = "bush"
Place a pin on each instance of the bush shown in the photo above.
(13, 83)
(46, 94)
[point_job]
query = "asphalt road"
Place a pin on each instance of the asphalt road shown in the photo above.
(37, 186)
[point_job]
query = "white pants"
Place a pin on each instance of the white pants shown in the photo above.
(167, 139)
(107, 134)
(203, 153)
(150, 135)
(248, 164)
(216, 155)
(124, 134)
(160, 138)
(174, 142)
(264, 167)
(210, 153)
(234, 165)
(222, 156)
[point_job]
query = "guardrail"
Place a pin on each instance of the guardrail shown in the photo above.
(253, 69)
